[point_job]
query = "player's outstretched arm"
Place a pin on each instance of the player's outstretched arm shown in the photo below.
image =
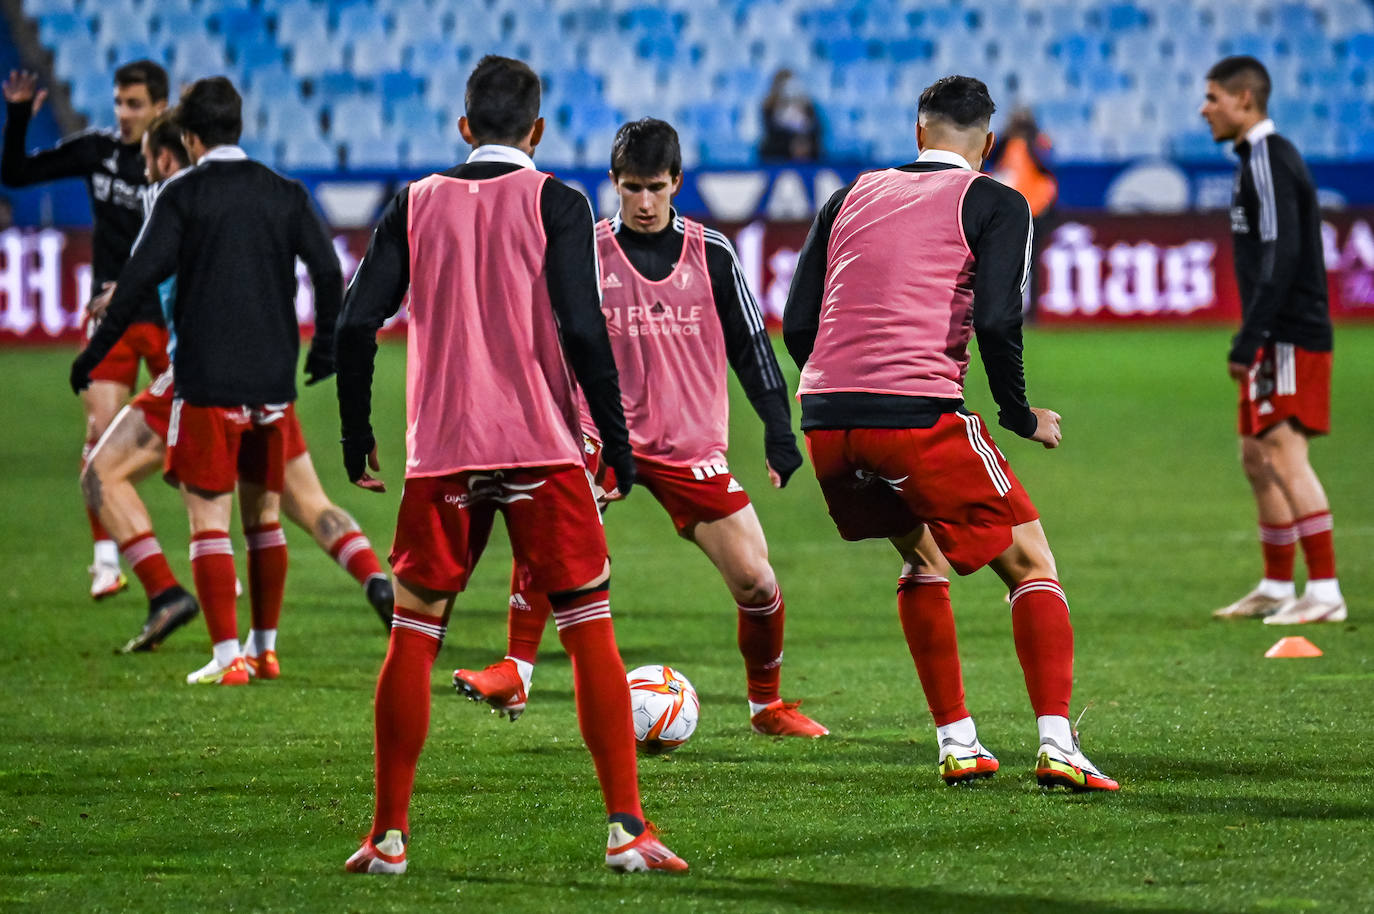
(316, 251)
(575, 294)
(153, 259)
(801, 317)
(376, 292)
(997, 222)
(72, 158)
(750, 353)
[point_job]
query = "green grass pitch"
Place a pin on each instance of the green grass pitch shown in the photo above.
(1247, 784)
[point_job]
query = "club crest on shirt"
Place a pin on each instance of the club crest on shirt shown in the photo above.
(682, 277)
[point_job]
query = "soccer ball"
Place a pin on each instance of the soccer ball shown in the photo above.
(664, 707)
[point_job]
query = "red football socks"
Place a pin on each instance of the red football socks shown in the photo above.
(1318, 548)
(928, 623)
(1280, 546)
(402, 714)
(212, 567)
(354, 554)
(759, 636)
(1044, 644)
(529, 612)
(603, 697)
(144, 555)
(266, 574)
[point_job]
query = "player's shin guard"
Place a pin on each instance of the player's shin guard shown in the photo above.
(603, 698)
(1318, 547)
(928, 624)
(759, 634)
(1279, 544)
(144, 555)
(212, 567)
(402, 714)
(266, 574)
(529, 612)
(1044, 644)
(354, 554)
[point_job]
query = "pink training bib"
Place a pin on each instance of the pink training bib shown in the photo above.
(487, 385)
(670, 350)
(898, 308)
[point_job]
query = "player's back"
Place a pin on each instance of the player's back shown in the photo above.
(235, 314)
(897, 313)
(486, 379)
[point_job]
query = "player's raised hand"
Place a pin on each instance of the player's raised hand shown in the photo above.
(1047, 427)
(360, 454)
(22, 86)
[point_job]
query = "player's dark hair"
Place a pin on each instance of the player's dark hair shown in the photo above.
(144, 73)
(961, 100)
(165, 136)
(646, 147)
(502, 100)
(211, 109)
(1243, 72)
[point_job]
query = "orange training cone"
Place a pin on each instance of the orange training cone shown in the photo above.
(1294, 646)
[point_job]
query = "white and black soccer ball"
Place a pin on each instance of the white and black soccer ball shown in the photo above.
(664, 706)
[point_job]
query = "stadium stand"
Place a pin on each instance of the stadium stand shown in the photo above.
(1108, 80)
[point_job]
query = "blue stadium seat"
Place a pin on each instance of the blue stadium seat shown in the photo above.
(360, 22)
(268, 81)
(297, 22)
(262, 150)
(411, 115)
(356, 119)
(310, 152)
(60, 25)
(258, 53)
(287, 115)
(381, 154)
(236, 23)
(423, 56)
(372, 58)
(310, 58)
(397, 85)
(332, 85)
(657, 49)
(111, 27)
(433, 150)
(179, 25)
(730, 152)
(841, 51)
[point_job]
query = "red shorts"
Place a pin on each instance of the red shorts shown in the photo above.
(143, 340)
(551, 516)
(211, 448)
(155, 402)
(691, 495)
(1287, 382)
(883, 482)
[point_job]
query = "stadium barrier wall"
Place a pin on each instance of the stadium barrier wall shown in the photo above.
(1090, 269)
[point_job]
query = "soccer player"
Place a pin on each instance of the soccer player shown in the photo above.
(677, 307)
(499, 262)
(135, 444)
(1281, 358)
(111, 164)
(901, 267)
(230, 229)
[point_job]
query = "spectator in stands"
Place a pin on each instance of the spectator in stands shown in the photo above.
(791, 129)
(1021, 159)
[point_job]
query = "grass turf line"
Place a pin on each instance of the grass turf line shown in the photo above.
(1246, 783)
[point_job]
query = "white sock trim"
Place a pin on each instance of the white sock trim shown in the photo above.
(106, 552)
(1327, 590)
(1275, 589)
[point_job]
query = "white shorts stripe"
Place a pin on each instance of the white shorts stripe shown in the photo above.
(1285, 370)
(985, 453)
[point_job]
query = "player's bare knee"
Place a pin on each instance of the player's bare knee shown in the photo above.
(754, 587)
(332, 522)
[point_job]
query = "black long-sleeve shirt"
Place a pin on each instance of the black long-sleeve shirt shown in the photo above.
(997, 225)
(230, 229)
(379, 287)
(115, 183)
(747, 346)
(1277, 235)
